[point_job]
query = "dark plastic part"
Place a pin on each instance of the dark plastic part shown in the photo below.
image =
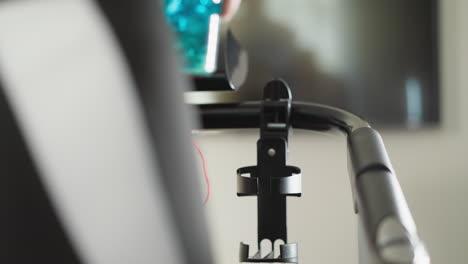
(272, 180)
(319, 117)
(230, 116)
(231, 69)
(288, 185)
(247, 185)
(308, 116)
(215, 82)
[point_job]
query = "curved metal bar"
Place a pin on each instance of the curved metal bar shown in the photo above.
(387, 230)
(305, 114)
(230, 116)
(308, 116)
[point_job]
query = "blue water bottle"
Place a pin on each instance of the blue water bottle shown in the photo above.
(196, 25)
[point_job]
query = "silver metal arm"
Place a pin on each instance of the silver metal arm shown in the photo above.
(387, 230)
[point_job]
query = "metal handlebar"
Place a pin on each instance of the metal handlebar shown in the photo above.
(387, 232)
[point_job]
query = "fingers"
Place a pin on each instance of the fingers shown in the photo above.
(230, 9)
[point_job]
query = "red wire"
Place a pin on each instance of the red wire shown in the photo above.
(205, 173)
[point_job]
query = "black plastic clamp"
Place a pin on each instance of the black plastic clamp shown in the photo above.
(272, 180)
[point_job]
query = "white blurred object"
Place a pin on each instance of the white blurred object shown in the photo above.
(76, 105)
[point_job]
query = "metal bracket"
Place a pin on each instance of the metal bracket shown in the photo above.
(272, 180)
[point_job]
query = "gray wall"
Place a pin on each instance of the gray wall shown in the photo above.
(432, 166)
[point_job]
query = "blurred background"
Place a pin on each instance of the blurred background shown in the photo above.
(400, 64)
(378, 59)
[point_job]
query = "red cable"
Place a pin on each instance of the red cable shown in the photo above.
(205, 173)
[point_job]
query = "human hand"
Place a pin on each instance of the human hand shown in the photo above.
(230, 9)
